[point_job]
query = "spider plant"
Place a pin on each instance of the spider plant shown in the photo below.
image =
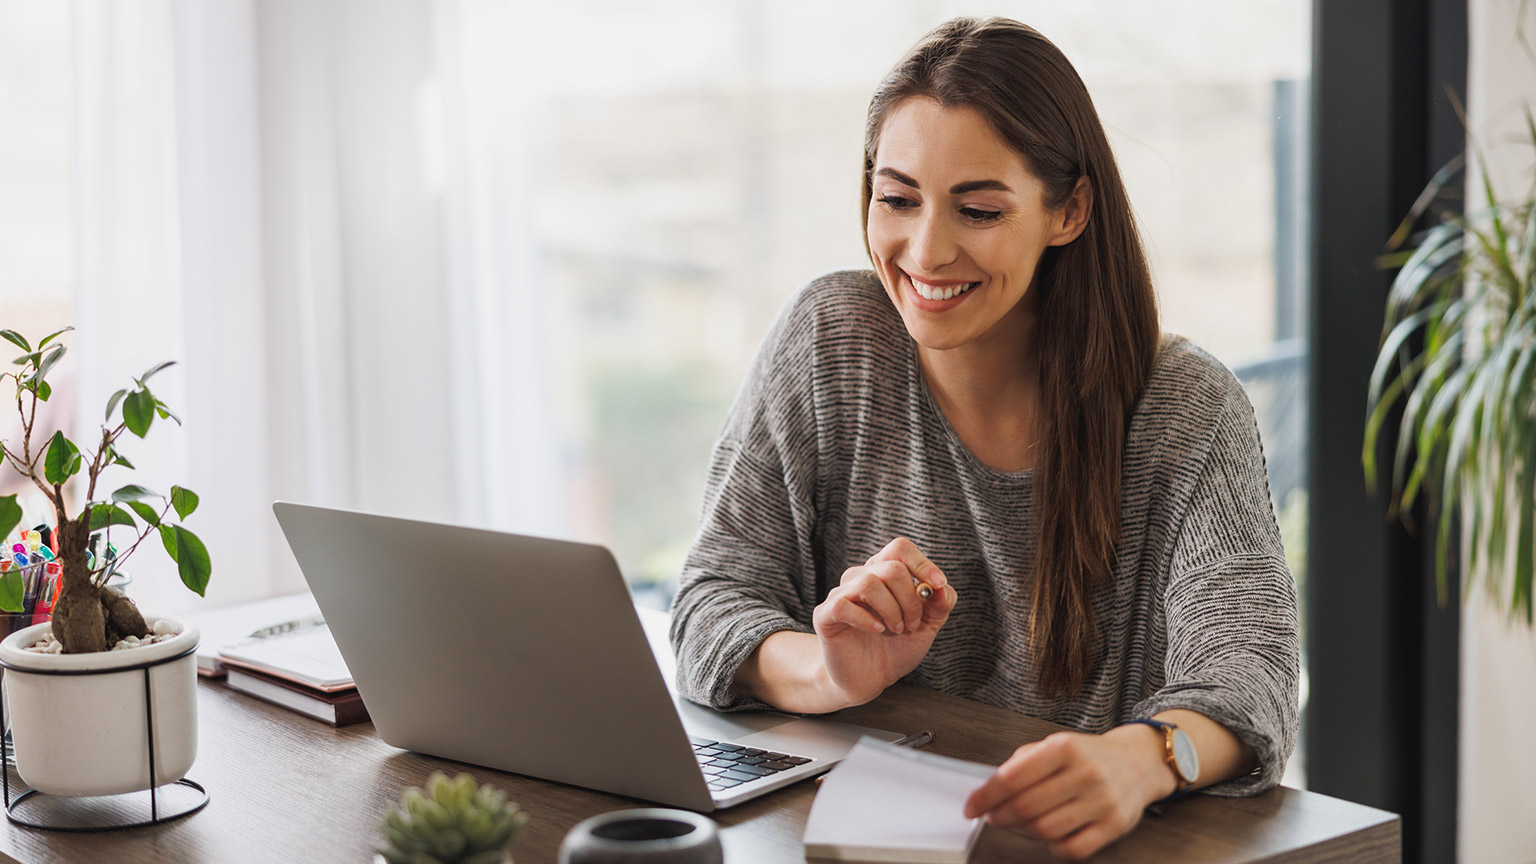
(1458, 351)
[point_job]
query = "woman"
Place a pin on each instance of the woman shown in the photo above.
(994, 412)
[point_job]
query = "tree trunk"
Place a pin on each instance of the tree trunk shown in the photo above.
(86, 617)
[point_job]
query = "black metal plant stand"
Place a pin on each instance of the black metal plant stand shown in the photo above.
(101, 812)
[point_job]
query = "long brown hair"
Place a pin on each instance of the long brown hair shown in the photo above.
(1097, 333)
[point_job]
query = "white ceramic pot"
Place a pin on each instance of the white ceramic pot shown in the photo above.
(85, 734)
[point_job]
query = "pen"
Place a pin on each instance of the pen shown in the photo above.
(916, 739)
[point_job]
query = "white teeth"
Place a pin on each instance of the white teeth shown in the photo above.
(930, 292)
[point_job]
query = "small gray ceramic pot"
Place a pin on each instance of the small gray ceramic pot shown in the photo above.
(643, 837)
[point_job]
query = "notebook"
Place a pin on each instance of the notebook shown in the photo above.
(338, 708)
(305, 655)
(890, 803)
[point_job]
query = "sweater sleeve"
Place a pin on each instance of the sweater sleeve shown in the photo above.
(751, 571)
(1230, 601)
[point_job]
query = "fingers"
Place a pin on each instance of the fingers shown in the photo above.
(1028, 765)
(844, 607)
(1060, 790)
(905, 551)
(885, 589)
(902, 562)
(1034, 801)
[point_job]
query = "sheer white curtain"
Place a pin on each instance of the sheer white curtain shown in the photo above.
(260, 195)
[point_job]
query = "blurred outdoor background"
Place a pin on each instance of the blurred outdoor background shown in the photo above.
(506, 263)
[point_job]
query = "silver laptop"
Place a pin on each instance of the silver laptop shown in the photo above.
(526, 654)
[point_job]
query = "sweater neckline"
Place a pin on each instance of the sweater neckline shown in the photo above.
(957, 445)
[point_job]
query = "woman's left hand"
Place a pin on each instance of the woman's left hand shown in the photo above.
(1075, 791)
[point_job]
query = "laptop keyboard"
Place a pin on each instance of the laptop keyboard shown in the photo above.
(729, 765)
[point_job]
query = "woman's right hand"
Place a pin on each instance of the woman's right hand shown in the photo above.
(874, 628)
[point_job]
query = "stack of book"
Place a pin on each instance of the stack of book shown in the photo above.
(296, 665)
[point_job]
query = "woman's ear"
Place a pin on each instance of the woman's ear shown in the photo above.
(1072, 218)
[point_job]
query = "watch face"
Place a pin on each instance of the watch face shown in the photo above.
(1185, 755)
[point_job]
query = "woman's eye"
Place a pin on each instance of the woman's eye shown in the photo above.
(896, 202)
(975, 215)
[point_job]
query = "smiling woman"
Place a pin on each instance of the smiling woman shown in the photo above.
(993, 412)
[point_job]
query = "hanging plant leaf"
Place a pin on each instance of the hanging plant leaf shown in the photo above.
(165, 412)
(62, 460)
(184, 500)
(139, 412)
(43, 391)
(118, 458)
(1459, 354)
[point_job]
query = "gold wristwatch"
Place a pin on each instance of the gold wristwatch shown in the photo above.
(1180, 754)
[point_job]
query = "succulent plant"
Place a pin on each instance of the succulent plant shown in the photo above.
(451, 822)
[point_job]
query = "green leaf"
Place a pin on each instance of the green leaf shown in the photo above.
(26, 359)
(192, 560)
(16, 339)
(139, 412)
(118, 458)
(112, 403)
(51, 336)
(107, 515)
(157, 368)
(168, 540)
(184, 500)
(10, 515)
(146, 512)
(135, 492)
(48, 363)
(1525, 568)
(43, 390)
(164, 411)
(12, 592)
(62, 460)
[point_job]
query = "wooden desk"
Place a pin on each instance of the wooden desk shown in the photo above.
(284, 788)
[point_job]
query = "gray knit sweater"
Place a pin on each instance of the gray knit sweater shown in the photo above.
(835, 446)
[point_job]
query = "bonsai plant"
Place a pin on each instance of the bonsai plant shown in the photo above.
(89, 721)
(451, 822)
(1459, 352)
(89, 616)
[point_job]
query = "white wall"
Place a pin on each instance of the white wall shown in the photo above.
(1497, 800)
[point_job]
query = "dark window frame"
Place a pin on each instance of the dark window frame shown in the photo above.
(1383, 703)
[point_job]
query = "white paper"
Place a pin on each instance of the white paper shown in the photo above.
(889, 803)
(231, 625)
(307, 655)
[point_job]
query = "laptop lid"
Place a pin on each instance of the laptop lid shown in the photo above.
(517, 653)
(525, 654)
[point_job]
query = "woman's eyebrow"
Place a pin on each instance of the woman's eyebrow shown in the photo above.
(974, 185)
(957, 189)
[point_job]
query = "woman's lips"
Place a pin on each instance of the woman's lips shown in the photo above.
(938, 296)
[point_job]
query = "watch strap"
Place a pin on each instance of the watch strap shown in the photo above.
(1182, 785)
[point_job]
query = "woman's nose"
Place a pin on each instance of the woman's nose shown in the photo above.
(932, 245)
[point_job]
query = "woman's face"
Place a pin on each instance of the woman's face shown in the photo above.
(957, 225)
